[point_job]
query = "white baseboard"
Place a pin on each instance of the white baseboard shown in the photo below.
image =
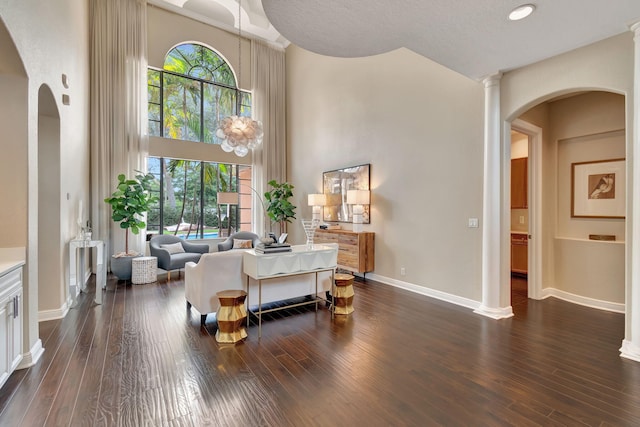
(433, 293)
(60, 313)
(630, 351)
(31, 358)
(495, 313)
(586, 301)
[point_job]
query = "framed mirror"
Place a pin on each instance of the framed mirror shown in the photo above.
(335, 185)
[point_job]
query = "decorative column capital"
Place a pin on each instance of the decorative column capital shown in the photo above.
(492, 80)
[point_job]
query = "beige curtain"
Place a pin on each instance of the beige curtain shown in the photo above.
(119, 141)
(268, 86)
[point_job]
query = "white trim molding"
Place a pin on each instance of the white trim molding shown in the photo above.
(495, 313)
(585, 301)
(31, 358)
(433, 293)
(58, 313)
(630, 351)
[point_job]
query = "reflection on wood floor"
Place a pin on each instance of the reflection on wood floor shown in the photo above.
(519, 293)
(400, 359)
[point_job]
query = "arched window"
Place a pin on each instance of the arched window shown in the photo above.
(199, 61)
(193, 92)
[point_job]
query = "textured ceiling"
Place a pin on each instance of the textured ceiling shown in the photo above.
(472, 37)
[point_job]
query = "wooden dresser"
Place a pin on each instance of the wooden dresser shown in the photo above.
(356, 251)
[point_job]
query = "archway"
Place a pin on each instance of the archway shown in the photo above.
(581, 126)
(50, 260)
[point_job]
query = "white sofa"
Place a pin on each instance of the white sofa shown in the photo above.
(219, 271)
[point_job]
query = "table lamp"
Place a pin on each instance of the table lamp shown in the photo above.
(225, 198)
(317, 201)
(357, 198)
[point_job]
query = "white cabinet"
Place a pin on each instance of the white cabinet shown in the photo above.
(10, 322)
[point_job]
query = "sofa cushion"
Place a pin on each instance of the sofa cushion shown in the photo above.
(242, 244)
(173, 248)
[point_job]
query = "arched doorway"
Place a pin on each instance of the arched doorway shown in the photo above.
(581, 127)
(50, 260)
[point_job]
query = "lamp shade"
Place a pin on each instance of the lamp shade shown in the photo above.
(227, 198)
(316, 200)
(358, 197)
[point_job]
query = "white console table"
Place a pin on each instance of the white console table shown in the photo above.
(301, 260)
(76, 281)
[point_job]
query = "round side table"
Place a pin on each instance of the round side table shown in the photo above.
(144, 269)
(344, 294)
(231, 316)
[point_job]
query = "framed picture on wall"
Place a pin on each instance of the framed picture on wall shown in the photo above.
(598, 189)
(335, 185)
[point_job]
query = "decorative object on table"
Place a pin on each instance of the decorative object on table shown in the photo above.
(272, 248)
(173, 252)
(227, 198)
(278, 207)
(603, 237)
(227, 245)
(231, 316)
(317, 201)
(343, 299)
(239, 134)
(336, 183)
(309, 226)
(598, 189)
(358, 198)
(129, 202)
(144, 269)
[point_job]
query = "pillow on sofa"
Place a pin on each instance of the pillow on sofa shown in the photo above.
(173, 248)
(242, 244)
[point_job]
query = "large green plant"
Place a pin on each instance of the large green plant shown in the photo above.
(279, 208)
(130, 201)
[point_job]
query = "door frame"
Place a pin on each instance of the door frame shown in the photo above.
(534, 179)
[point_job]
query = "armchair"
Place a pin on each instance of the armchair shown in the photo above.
(175, 261)
(241, 235)
(215, 272)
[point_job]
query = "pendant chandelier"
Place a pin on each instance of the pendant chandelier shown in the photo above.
(239, 134)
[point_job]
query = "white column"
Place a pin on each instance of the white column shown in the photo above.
(631, 344)
(492, 204)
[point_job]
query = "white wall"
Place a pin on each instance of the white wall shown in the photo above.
(588, 127)
(420, 126)
(51, 38)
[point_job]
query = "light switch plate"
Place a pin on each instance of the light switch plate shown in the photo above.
(473, 222)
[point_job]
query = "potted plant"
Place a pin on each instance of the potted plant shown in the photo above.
(129, 202)
(279, 208)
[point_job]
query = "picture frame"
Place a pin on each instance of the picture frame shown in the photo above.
(335, 185)
(598, 189)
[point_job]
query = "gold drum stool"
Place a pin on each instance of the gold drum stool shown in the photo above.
(231, 316)
(344, 294)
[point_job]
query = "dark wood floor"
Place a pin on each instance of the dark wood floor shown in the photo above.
(399, 359)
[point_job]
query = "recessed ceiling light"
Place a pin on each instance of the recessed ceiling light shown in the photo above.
(521, 12)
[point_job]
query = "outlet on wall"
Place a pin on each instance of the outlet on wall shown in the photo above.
(403, 271)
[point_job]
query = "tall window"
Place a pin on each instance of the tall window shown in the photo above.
(187, 98)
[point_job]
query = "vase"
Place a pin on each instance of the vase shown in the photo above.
(310, 226)
(121, 266)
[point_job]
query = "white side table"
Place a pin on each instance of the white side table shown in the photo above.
(74, 277)
(144, 269)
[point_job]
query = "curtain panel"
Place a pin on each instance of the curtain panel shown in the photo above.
(119, 140)
(268, 87)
